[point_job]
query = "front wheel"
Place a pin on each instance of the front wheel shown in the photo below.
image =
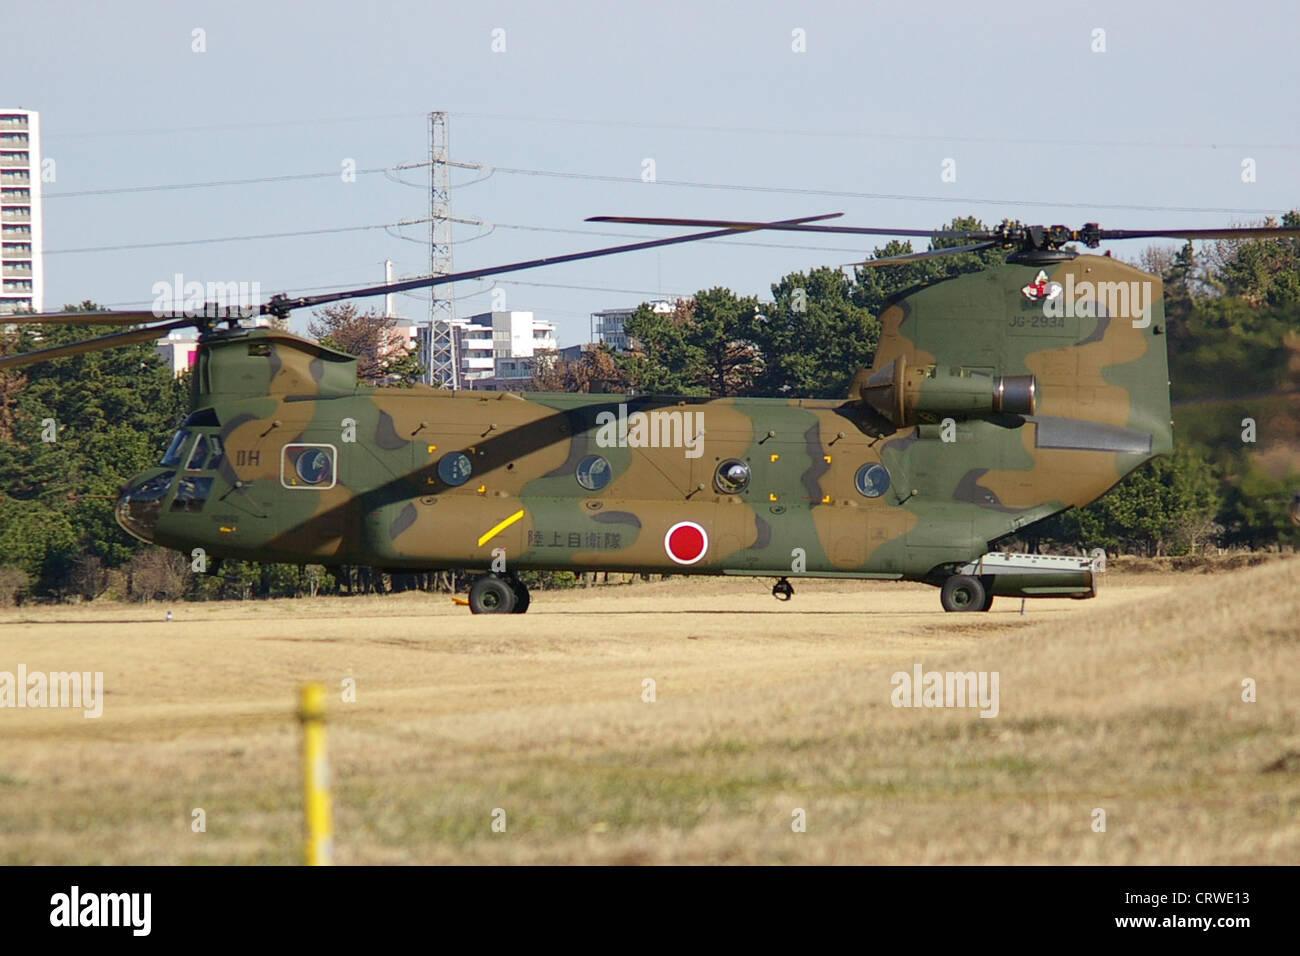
(490, 594)
(961, 592)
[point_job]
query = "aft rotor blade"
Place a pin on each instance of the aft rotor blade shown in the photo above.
(1242, 232)
(927, 254)
(114, 340)
(738, 225)
(281, 305)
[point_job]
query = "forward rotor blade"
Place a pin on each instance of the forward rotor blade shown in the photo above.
(84, 318)
(114, 340)
(798, 226)
(281, 305)
(927, 254)
(1243, 232)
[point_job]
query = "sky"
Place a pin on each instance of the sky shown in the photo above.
(751, 110)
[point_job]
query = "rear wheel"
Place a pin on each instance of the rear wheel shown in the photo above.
(522, 597)
(961, 592)
(490, 594)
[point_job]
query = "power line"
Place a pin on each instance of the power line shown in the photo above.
(594, 233)
(198, 242)
(680, 183)
(161, 187)
(709, 128)
(874, 134)
(595, 288)
(844, 194)
(424, 294)
(389, 226)
(219, 127)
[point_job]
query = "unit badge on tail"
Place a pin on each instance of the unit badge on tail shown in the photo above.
(1040, 290)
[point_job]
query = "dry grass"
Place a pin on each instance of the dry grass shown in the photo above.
(1131, 703)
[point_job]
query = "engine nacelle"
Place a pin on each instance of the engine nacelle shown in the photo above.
(907, 395)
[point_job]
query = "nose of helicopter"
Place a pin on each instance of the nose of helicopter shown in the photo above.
(140, 505)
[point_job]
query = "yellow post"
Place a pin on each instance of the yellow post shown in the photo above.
(316, 777)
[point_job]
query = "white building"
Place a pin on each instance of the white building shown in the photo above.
(501, 346)
(180, 350)
(22, 269)
(608, 325)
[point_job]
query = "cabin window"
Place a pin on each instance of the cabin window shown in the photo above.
(308, 466)
(455, 468)
(594, 473)
(732, 476)
(872, 480)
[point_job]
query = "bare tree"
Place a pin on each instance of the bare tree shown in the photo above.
(382, 351)
(595, 370)
(157, 574)
(13, 584)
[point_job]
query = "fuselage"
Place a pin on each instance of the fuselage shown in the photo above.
(286, 459)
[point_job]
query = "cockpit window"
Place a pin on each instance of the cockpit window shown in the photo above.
(153, 489)
(191, 492)
(199, 456)
(172, 457)
(206, 455)
(139, 508)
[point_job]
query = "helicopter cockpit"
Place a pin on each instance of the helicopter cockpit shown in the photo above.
(191, 461)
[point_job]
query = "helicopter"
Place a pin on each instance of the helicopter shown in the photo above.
(996, 399)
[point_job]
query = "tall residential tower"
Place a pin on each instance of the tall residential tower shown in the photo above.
(22, 269)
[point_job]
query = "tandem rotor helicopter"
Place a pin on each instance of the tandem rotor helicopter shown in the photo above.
(996, 399)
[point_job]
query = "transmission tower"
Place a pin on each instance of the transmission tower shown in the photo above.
(442, 367)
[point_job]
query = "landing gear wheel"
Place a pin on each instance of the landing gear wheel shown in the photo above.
(490, 594)
(522, 597)
(961, 592)
(783, 590)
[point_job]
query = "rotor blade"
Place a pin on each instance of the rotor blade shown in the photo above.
(113, 340)
(1243, 232)
(927, 254)
(84, 318)
(281, 305)
(798, 226)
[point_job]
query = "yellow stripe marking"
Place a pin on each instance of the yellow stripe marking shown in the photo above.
(493, 532)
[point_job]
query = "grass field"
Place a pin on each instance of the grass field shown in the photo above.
(1130, 703)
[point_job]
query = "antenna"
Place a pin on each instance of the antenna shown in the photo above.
(388, 280)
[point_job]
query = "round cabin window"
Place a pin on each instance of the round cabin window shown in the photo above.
(732, 476)
(313, 466)
(454, 469)
(594, 473)
(872, 480)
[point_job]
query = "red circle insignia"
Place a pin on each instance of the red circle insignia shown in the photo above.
(686, 542)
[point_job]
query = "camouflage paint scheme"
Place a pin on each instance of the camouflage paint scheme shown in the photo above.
(1102, 410)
